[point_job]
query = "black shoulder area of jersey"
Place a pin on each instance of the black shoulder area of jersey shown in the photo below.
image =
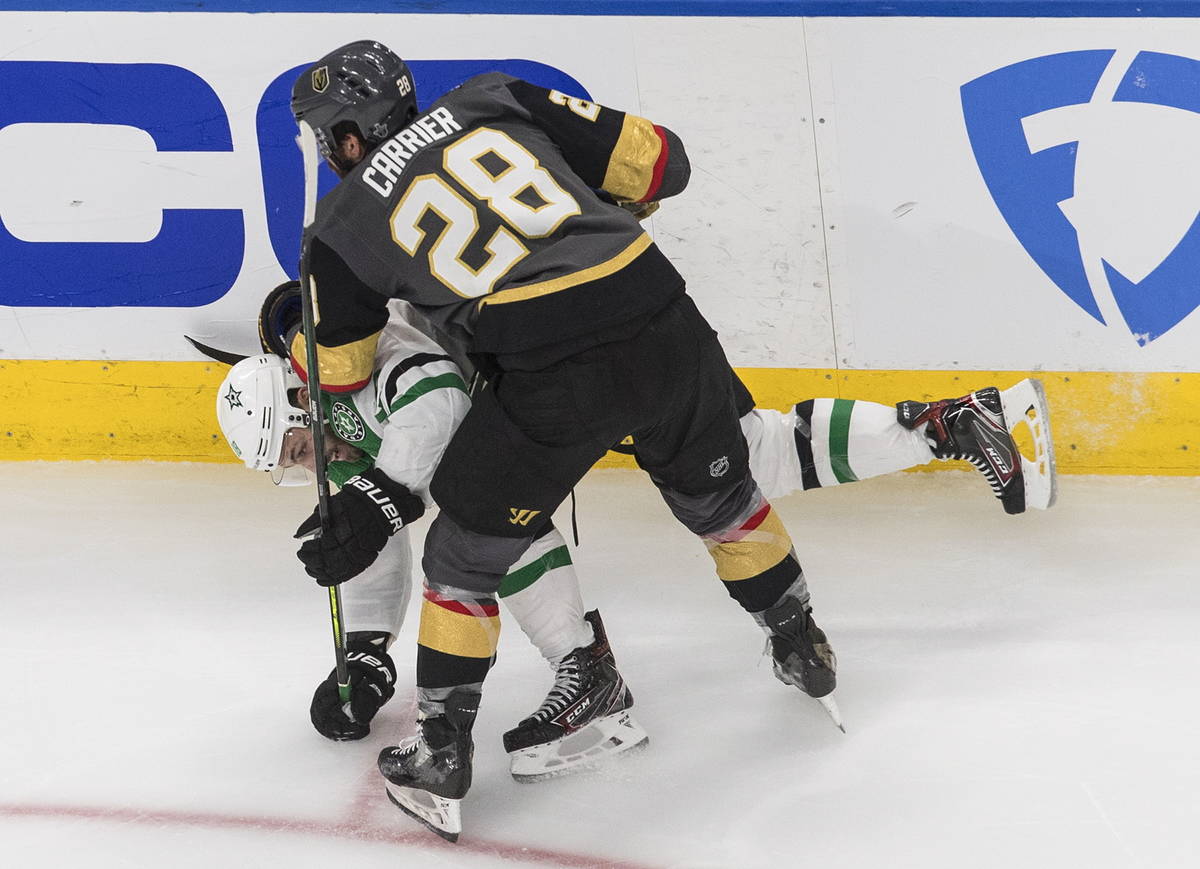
(493, 80)
(587, 142)
(494, 77)
(349, 309)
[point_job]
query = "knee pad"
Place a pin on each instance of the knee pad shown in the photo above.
(714, 512)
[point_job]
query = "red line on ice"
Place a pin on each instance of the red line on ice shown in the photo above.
(365, 833)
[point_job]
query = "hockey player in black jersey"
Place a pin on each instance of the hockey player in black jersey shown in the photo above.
(484, 213)
(399, 425)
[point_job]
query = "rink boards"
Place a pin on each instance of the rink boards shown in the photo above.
(880, 207)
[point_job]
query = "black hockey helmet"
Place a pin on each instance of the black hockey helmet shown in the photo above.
(365, 84)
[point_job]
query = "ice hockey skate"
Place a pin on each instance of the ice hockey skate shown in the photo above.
(978, 428)
(583, 721)
(428, 774)
(801, 655)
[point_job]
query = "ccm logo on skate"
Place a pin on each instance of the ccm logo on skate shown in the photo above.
(378, 497)
(579, 710)
(1047, 128)
(94, 234)
(997, 460)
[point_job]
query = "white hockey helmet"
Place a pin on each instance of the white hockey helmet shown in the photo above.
(254, 411)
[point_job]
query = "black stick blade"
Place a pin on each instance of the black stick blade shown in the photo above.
(213, 353)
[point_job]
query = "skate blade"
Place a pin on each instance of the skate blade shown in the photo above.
(439, 814)
(831, 709)
(1026, 403)
(585, 749)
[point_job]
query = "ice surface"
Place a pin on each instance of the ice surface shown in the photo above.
(1017, 691)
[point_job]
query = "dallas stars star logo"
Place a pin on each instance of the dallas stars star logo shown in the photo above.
(234, 397)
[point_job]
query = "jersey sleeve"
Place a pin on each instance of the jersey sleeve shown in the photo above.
(350, 316)
(627, 156)
(421, 399)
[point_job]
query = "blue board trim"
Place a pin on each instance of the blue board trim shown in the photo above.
(720, 8)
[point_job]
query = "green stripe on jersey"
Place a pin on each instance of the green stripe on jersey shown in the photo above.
(340, 472)
(839, 440)
(450, 380)
(523, 577)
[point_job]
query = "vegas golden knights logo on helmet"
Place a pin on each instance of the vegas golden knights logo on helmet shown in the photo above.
(320, 79)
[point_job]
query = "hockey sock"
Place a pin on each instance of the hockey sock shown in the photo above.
(542, 592)
(755, 558)
(826, 442)
(457, 639)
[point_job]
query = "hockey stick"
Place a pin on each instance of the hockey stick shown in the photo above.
(225, 357)
(308, 149)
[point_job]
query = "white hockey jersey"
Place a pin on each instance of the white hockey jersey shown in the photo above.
(405, 416)
(402, 421)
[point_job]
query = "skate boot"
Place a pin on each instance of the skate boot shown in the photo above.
(584, 720)
(428, 774)
(973, 428)
(800, 652)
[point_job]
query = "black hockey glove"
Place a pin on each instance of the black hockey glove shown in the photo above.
(368, 510)
(372, 683)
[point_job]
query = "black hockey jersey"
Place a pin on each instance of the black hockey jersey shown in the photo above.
(484, 213)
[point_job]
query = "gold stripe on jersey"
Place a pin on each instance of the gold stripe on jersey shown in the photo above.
(554, 285)
(631, 164)
(342, 368)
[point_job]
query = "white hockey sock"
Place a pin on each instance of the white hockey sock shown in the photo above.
(542, 592)
(828, 441)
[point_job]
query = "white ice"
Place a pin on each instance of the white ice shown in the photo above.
(1017, 691)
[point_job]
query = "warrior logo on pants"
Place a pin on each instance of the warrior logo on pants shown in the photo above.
(521, 517)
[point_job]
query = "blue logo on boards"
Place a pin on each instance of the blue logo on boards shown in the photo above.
(196, 256)
(1090, 159)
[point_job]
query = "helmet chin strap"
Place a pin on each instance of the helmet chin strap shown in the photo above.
(342, 166)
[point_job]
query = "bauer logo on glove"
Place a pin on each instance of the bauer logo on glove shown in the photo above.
(368, 510)
(372, 684)
(378, 496)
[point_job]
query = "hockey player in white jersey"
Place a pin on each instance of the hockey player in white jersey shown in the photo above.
(402, 421)
(400, 424)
